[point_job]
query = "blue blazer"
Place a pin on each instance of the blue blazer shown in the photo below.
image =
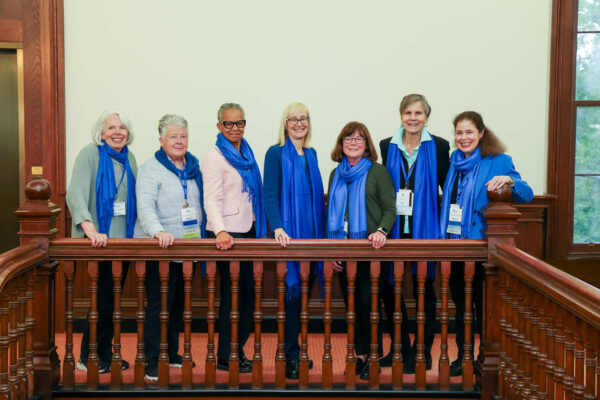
(490, 167)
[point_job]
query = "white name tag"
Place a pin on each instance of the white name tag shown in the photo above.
(119, 208)
(454, 219)
(191, 229)
(346, 227)
(404, 202)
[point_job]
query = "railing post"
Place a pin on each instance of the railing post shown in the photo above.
(37, 220)
(501, 220)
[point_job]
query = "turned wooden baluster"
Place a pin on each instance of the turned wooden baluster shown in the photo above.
(234, 316)
(186, 368)
(526, 342)
(30, 325)
(590, 362)
(4, 390)
(374, 319)
(543, 346)
(163, 356)
(140, 358)
(69, 363)
(520, 338)
(257, 359)
(509, 337)
(210, 365)
(559, 369)
(13, 304)
(578, 384)
(550, 348)
(467, 364)
(397, 364)
(514, 341)
(444, 366)
(569, 378)
(327, 374)
(351, 320)
(21, 338)
(280, 354)
(92, 365)
(116, 368)
(420, 363)
(304, 316)
(535, 342)
(502, 324)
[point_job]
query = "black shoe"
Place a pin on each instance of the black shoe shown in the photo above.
(103, 366)
(456, 368)
(292, 369)
(428, 361)
(364, 374)
(387, 360)
(152, 372)
(244, 363)
(360, 364)
(177, 362)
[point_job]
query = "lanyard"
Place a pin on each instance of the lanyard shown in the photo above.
(182, 175)
(410, 171)
(119, 185)
(460, 187)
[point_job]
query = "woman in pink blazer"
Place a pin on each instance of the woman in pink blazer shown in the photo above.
(233, 201)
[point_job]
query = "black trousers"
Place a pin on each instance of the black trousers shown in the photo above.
(457, 290)
(362, 307)
(293, 307)
(245, 301)
(106, 306)
(175, 305)
(430, 311)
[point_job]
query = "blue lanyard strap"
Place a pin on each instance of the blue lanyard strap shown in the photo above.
(460, 187)
(410, 172)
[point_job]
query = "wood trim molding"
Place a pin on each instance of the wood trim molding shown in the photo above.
(11, 30)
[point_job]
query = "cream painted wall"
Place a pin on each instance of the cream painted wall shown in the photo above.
(346, 60)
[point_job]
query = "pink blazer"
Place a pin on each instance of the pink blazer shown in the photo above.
(227, 208)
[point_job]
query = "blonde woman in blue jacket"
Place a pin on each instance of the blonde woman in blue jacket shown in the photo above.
(477, 166)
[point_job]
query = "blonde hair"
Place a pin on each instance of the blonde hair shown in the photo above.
(291, 109)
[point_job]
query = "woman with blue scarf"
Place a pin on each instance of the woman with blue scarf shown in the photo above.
(477, 166)
(233, 197)
(295, 208)
(170, 206)
(361, 206)
(417, 162)
(101, 199)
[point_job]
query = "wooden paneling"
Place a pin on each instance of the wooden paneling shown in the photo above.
(11, 30)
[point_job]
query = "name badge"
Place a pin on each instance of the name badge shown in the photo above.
(191, 229)
(404, 202)
(119, 208)
(454, 219)
(346, 227)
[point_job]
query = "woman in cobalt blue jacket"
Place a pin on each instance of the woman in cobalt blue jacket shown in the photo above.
(477, 166)
(295, 208)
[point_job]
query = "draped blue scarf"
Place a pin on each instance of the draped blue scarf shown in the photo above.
(192, 171)
(303, 216)
(425, 223)
(243, 161)
(106, 189)
(470, 167)
(347, 191)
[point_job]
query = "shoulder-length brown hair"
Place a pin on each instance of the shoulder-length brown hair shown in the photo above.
(338, 151)
(489, 144)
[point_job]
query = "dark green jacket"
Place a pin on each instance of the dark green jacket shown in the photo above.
(379, 198)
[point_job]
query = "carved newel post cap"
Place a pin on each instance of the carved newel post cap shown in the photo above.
(38, 189)
(503, 194)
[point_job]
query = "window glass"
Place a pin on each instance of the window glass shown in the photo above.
(587, 146)
(586, 217)
(589, 15)
(588, 66)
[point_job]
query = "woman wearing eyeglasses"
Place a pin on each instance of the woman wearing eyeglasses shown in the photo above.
(361, 206)
(233, 200)
(295, 208)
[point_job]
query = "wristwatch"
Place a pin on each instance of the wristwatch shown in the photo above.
(380, 229)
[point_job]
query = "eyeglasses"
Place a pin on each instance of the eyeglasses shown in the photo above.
(355, 139)
(295, 121)
(229, 124)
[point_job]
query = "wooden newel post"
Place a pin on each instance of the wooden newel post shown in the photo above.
(37, 219)
(501, 220)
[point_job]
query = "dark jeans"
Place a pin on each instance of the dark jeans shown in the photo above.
(175, 305)
(245, 301)
(362, 307)
(457, 290)
(293, 307)
(105, 306)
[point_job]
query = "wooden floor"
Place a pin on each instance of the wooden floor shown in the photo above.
(269, 344)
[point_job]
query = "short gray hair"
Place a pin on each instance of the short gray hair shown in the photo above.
(99, 126)
(413, 98)
(168, 120)
(227, 106)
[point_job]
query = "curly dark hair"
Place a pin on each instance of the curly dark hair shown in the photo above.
(489, 144)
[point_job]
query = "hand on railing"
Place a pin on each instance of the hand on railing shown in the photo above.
(498, 181)
(98, 239)
(281, 237)
(224, 241)
(165, 239)
(378, 239)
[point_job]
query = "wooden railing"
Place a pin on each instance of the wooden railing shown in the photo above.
(534, 344)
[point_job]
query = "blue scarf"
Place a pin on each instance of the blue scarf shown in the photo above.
(192, 171)
(466, 191)
(243, 161)
(425, 202)
(348, 187)
(302, 211)
(106, 189)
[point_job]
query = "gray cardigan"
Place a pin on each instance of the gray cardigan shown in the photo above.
(160, 199)
(81, 194)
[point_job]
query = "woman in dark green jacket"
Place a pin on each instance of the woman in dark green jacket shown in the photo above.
(361, 206)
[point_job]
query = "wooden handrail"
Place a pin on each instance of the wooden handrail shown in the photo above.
(20, 260)
(577, 296)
